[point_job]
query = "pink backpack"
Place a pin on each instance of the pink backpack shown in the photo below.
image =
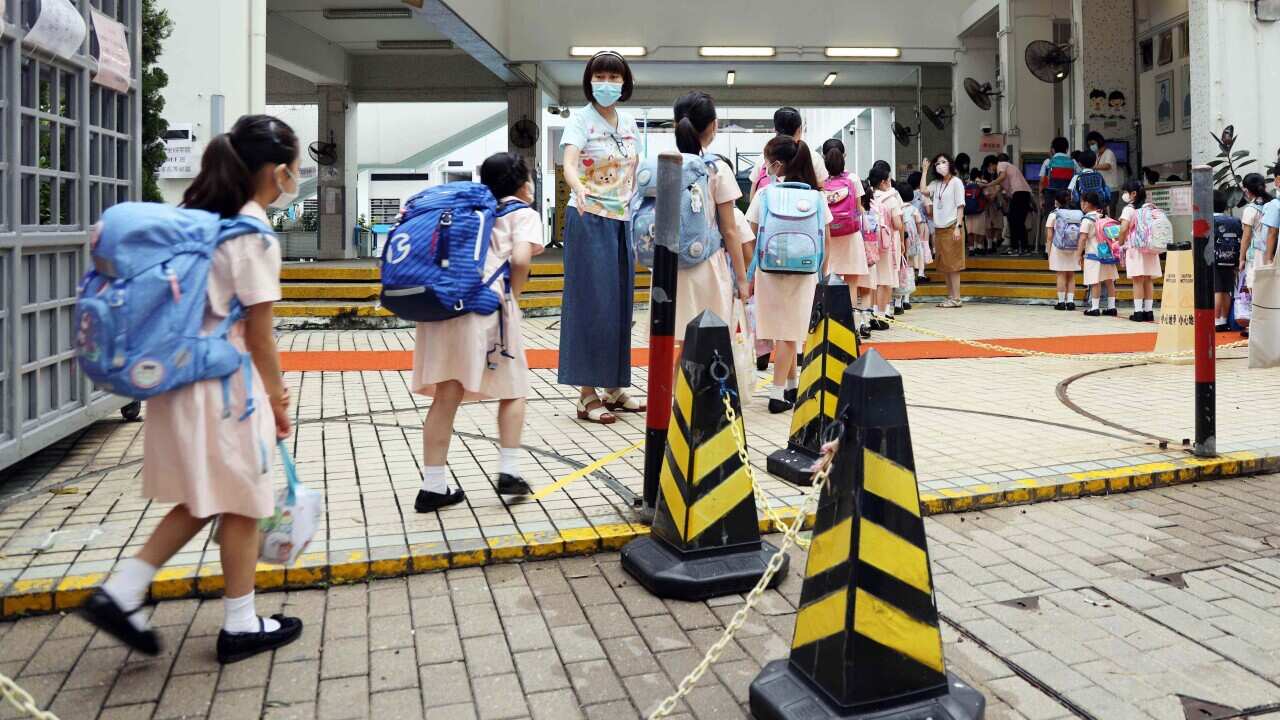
(871, 235)
(846, 209)
(762, 179)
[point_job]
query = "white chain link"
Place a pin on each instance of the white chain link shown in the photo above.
(739, 618)
(762, 500)
(22, 700)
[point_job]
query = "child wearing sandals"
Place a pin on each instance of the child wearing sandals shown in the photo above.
(477, 357)
(194, 455)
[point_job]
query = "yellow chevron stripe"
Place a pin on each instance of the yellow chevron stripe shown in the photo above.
(829, 548)
(711, 454)
(803, 415)
(877, 620)
(889, 553)
(810, 374)
(842, 337)
(717, 503)
(835, 370)
(890, 481)
(684, 395)
(673, 497)
(821, 619)
(679, 446)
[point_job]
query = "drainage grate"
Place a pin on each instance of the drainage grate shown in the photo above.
(1197, 709)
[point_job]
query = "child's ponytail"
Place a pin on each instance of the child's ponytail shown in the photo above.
(225, 182)
(693, 112)
(833, 156)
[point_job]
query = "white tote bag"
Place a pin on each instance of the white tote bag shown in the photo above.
(1264, 327)
(744, 352)
(297, 515)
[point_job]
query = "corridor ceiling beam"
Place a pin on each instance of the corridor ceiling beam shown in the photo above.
(300, 52)
(442, 19)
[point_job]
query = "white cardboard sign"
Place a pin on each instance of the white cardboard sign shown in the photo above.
(115, 67)
(59, 30)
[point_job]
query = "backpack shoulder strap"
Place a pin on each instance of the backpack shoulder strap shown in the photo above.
(511, 206)
(241, 225)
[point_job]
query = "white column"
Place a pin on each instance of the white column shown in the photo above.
(1233, 63)
(257, 56)
(865, 146)
(337, 184)
(884, 146)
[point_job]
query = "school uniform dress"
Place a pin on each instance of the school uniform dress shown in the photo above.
(709, 285)
(1094, 271)
(847, 254)
(922, 206)
(196, 453)
(1060, 260)
(783, 301)
(1136, 262)
(885, 271)
(485, 353)
(599, 258)
(948, 213)
(1252, 217)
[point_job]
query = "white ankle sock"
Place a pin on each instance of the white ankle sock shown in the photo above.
(775, 392)
(1093, 303)
(509, 461)
(1111, 303)
(1150, 304)
(435, 479)
(128, 586)
(793, 383)
(239, 616)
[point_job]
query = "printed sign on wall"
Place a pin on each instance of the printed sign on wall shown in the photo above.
(180, 150)
(114, 64)
(59, 30)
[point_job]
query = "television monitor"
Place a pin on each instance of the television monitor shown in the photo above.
(1121, 149)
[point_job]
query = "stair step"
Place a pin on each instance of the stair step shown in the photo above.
(330, 291)
(1009, 291)
(316, 272)
(370, 308)
(1021, 277)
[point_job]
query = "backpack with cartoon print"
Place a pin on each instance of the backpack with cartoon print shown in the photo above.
(699, 229)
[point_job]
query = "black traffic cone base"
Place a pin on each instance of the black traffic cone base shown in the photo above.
(667, 573)
(779, 692)
(793, 465)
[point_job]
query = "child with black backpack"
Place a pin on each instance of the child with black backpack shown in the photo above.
(208, 444)
(1227, 231)
(1089, 180)
(476, 357)
(1063, 230)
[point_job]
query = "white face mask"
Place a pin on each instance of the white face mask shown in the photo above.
(1127, 198)
(1093, 147)
(944, 168)
(286, 198)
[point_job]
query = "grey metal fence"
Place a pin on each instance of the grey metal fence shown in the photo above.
(69, 149)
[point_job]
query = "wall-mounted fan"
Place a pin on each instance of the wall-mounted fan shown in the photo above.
(524, 133)
(980, 93)
(938, 116)
(324, 153)
(903, 134)
(1050, 62)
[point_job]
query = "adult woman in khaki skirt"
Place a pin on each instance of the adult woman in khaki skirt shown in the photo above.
(946, 191)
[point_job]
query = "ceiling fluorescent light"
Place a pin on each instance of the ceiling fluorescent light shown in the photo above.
(730, 77)
(830, 80)
(377, 13)
(736, 51)
(415, 45)
(864, 52)
(623, 50)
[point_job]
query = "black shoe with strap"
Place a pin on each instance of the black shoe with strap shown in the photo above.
(779, 406)
(1060, 306)
(105, 613)
(1111, 312)
(234, 647)
(512, 485)
(432, 501)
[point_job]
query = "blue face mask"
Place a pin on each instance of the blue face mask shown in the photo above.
(606, 93)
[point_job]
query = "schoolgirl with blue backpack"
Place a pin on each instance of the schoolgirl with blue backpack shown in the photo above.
(177, 310)
(791, 221)
(1099, 245)
(1062, 227)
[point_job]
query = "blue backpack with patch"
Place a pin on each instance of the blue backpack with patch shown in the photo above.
(699, 228)
(1092, 181)
(792, 229)
(433, 265)
(140, 311)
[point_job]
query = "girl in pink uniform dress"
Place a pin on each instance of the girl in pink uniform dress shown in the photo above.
(479, 357)
(846, 254)
(194, 455)
(1142, 268)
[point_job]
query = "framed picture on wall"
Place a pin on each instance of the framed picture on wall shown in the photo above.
(1147, 54)
(1164, 103)
(1184, 40)
(1186, 96)
(1166, 47)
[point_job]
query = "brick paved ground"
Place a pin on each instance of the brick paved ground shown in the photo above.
(1057, 610)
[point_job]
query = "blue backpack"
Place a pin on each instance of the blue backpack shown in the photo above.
(140, 311)
(792, 231)
(433, 265)
(699, 230)
(1092, 181)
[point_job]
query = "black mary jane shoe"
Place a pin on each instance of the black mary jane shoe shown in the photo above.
(234, 647)
(106, 614)
(906, 306)
(790, 395)
(1071, 306)
(1060, 306)
(431, 501)
(1092, 313)
(865, 331)
(779, 406)
(512, 485)
(1138, 317)
(1111, 312)
(762, 362)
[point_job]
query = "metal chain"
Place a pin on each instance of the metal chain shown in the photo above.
(762, 500)
(22, 700)
(1099, 357)
(739, 618)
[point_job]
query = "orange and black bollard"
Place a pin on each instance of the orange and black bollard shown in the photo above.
(1206, 340)
(867, 642)
(705, 540)
(662, 320)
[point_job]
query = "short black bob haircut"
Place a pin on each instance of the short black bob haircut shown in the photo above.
(607, 61)
(504, 173)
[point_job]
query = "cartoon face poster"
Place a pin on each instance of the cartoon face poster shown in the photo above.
(1104, 105)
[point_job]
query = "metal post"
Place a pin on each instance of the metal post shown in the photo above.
(662, 322)
(1206, 347)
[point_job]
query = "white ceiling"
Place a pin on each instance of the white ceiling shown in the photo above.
(355, 36)
(775, 73)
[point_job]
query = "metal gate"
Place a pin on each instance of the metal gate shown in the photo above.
(69, 148)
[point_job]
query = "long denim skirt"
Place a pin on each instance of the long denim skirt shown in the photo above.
(599, 286)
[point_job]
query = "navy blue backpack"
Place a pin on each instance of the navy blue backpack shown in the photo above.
(433, 265)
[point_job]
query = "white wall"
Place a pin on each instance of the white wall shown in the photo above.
(1172, 149)
(1233, 75)
(979, 60)
(1028, 105)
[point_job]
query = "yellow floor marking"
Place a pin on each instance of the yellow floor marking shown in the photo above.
(583, 472)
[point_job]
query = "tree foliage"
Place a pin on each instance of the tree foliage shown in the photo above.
(156, 28)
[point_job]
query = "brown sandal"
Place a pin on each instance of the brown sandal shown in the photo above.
(598, 414)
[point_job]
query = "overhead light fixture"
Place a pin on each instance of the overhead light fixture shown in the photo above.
(623, 50)
(830, 80)
(736, 51)
(864, 52)
(730, 77)
(375, 13)
(415, 45)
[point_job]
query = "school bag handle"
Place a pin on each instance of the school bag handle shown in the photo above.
(290, 472)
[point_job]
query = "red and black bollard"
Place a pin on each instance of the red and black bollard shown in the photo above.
(1206, 341)
(662, 321)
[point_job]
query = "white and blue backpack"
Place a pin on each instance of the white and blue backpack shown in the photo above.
(699, 229)
(792, 231)
(433, 267)
(140, 312)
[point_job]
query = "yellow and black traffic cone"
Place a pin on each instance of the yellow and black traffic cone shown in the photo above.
(831, 346)
(705, 540)
(867, 642)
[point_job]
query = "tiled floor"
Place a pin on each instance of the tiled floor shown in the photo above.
(74, 509)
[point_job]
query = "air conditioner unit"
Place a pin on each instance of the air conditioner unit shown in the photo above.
(374, 13)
